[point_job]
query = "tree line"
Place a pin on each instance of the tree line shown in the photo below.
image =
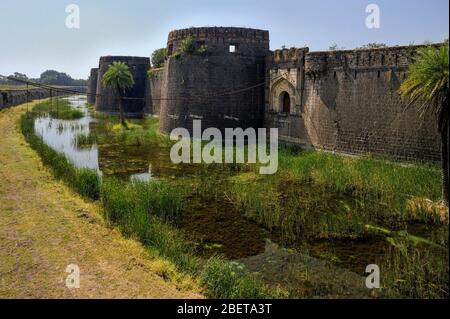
(49, 77)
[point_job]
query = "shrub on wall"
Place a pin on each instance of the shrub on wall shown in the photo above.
(158, 58)
(188, 46)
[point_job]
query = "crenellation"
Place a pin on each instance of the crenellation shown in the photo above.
(250, 41)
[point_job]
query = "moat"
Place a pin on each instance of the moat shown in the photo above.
(214, 223)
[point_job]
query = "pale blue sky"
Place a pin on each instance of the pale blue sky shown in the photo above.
(34, 37)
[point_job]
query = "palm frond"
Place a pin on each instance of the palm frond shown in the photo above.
(118, 76)
(427, 84)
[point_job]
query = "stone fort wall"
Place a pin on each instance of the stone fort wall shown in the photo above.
(344, 101)
(347, 101)
(106, 99)
(92, 86)
(154, 92)
(202, 85)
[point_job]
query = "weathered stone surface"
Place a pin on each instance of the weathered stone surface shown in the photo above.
(199, 86)
(107, 100)
(92, 86)
(348, 101)
(154, 90)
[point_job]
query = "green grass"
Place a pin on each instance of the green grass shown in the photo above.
(414, 272)
(305, 211)
(229, 280)
(83, 140)
(139, 132)
(86, 182)
(363, 175)
(58, 108)
(156, 198)
(322, 195)
(146, 210)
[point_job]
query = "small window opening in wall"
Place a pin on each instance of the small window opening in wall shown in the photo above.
(383, 59)
(285, 102)
(233, 48)
(355, 74)
(334, 74)
(379, 74)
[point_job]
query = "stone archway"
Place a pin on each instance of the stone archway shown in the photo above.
(283, 97)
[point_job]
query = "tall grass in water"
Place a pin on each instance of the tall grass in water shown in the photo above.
(299, 210)
(146, 210)
(142, 210)
(84, 140)
(84, 181)
(363, 174)
(59, 109)
(415, 272)
(139, 132)
(229, 280)
(322, 195)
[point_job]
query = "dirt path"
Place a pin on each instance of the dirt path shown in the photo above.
(44, 227)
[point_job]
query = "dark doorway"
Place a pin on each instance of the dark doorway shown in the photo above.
(285, 102)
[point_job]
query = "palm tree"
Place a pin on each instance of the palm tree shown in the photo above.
(428, 86)
(119, 78)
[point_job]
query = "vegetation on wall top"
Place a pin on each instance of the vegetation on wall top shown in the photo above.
(158, 58)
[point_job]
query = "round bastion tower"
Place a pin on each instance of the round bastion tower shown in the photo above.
(106, 100)
(218, 78)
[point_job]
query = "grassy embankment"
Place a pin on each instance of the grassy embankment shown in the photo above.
(44, 226)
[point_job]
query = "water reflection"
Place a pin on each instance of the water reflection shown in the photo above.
(61, 135)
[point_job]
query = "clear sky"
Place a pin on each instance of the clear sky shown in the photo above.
(34, 36)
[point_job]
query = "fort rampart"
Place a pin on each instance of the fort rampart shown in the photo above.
(348, 101)
(344, 101)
